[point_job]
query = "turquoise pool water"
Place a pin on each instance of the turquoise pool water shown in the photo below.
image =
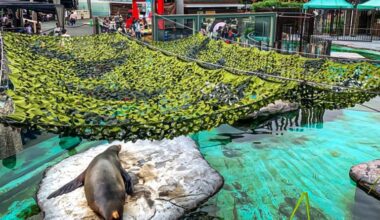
(266, 168)
(266, 165)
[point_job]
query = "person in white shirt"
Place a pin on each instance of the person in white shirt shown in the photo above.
(28, 29)
(57, 30)
(137, 29)
(64, 33)
(112, 24)
(73, 19)
(4, 19)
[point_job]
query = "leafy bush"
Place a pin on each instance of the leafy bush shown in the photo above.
(276, 4)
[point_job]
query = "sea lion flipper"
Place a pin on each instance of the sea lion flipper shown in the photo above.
(70, 186)
(127, 181)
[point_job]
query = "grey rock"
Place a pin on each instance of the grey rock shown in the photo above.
(173, 179)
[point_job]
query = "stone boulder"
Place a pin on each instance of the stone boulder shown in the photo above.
(10, 137)
(277, 107)
(171, 177)
(367, 175)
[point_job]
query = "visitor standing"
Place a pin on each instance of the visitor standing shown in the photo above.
(73, 18)
(106, 25)
(112, 24)
(137, 29)
(117, 21)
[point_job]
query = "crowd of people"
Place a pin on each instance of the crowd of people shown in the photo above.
(7, 23)
(225, 32)
(129, 25)
(58, 31)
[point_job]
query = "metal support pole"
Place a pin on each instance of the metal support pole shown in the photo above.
(95, 25)
(154, 23)
(89, 9)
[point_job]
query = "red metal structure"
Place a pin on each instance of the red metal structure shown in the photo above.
(160, 9)
(133, 14)
(135, 10)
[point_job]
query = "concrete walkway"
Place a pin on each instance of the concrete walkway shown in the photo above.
(371, 106)
(374, 45)
(347, 55)
(81, 28)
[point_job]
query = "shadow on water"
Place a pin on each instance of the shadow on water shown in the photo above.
(296, 121)
(365, 206)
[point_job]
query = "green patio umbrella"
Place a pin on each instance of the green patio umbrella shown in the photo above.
(327, 4)
(370, 5)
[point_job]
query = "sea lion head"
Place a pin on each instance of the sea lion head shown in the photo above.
(116, 148)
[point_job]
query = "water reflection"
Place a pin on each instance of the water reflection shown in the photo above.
(10, 162)
(29, 134)
(294, 121)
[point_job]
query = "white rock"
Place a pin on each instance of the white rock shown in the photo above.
(277, 107)
(172, 174)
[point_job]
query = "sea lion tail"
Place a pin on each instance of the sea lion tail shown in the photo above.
(115, 215)
(70, 186)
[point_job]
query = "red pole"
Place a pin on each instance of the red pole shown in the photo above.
(135, 10)
(160, 11)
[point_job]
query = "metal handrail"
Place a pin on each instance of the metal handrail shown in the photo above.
(1, 59)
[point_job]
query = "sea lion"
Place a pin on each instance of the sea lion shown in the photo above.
(105, 183)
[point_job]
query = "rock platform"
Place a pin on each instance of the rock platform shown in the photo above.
(367, 175)
(171, 178)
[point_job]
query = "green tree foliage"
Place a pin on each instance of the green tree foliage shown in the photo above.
(276, 4)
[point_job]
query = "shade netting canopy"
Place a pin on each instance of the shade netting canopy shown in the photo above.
(370, 5)
(327, 4)
(108, 86)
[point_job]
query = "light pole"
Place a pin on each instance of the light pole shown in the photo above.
(154, 31)
(94, 19)
(89, 8)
